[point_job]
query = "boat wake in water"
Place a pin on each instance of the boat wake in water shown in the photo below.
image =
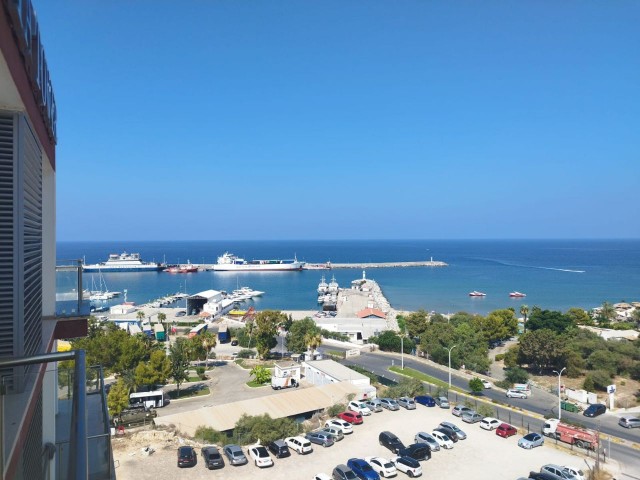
(506, 264)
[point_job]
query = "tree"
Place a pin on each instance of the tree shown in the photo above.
(607, 314)
(475, 385)
(416, 323)
(549, 319)
(154, 372)
(162, 317)
(260, 374)
(511, 356)
(579, 317)
(265, 330)
(406, 387)
(497, 325)
(118, 398)
(179, 362)
(389, 341)
(313, 340)
(209, 342)
(516, 375)
(542, 349)
(297, 334)
(140, 315)
(524, 311)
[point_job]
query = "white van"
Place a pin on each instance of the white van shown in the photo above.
(299, 444)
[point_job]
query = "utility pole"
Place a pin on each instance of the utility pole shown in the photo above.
(449, 349)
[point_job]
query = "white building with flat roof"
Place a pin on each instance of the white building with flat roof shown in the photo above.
(323, 372)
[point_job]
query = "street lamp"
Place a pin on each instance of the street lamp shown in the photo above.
(402, 352)
(559, 398)
(450, 363)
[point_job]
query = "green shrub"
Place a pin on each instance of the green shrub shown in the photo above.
(506, 384)
(246, 353)
(588, 384)
(250, 429)
(485, 410)
(209, 435)
(335, 409)
(516, 375)
(600, 378)
(499, 357)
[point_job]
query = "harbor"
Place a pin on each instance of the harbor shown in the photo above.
(357, 265)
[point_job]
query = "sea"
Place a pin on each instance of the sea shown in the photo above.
(554, 274)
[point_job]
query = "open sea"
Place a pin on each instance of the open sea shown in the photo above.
(555, 274)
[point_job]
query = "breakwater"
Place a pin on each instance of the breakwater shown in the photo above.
(428, 263)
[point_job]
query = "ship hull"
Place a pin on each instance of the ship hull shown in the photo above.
(284, 267)
(111, 269)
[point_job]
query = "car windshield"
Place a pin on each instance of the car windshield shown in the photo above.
(388, 465)
(214, 456)
(236, 453)
(349, 475)
(365, 467)
(262, 452)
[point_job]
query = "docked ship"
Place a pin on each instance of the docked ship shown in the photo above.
(228, 262)
(123, 262)
(184, 268)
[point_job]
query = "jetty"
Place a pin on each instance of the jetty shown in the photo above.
(361, 266)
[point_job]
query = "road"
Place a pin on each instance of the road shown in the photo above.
(541, 403)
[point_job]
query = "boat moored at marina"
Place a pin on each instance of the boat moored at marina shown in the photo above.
(228, 262)
(123, 262)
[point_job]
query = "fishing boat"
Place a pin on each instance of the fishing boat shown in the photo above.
(228, 262)
(517, 294)
(477, 294)
(184, 268)
(123, 262)
(323, 287)
(333, 286)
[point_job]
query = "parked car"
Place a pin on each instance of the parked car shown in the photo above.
(595, 410)
(517, 394)
(299, 444)
(471, 417)
(556, 471)
(574, 472)
(352, 417)
(426, 400)
(383, 467)
(260, 456)
(235, 455)
(360, 407)
(489, 423)
(341, 424)
(629, 422)
(362, 469)
(448, 426)
(407, 465)
(391, 441)
(321, 476)
(443, 439)
(320, 438)
(374, 405)
(417, 451)
(424, 437)
(407, 403)
(342, 472)
(442, 402)
(211, 458)
(460, 410)
(531, 440)
(279, 448)
(389, 404)
(187, 457)
(335, 432)
(505, 430)
(541, 476)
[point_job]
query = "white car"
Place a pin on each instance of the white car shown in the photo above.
(574, 472)
(407, 465)
(443, 440)
(490, 423)
(382, 466)
(486, 383)
(516, 394)
(341, 424)
(424, 437)
(321, 476)
(359, 407)
(299, 444)
(260, 456)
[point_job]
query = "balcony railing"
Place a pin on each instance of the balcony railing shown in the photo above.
(71, 299)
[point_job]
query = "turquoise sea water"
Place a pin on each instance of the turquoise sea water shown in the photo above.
(555, 274)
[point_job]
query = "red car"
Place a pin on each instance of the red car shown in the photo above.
(505, 430)
(351, 417)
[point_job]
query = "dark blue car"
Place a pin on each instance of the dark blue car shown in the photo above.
(362, 469)
(426, 400)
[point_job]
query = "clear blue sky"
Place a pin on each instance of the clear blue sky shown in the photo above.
(345, 119)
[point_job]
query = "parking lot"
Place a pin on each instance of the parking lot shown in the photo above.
(483, 455)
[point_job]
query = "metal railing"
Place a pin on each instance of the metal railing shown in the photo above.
(79, 466)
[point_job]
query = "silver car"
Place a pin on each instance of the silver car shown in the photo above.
(335, 432)
(408, 403)
(389, 404)
(235, 455)
(629, 422)
(424, 437)
(442, 402)
(374, 405)
(461, 435)
(471, 417)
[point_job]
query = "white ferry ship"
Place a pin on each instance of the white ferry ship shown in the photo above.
(228, 262)
(123, 262)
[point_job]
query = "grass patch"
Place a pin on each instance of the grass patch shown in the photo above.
(194, 379)
(190, 392)
(410, 372)
(334, 353)
(254, 384)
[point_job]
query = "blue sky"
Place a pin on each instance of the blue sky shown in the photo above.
(345, 119)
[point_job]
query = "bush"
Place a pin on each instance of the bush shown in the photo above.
(485, 410)
(516, 375)
(200, 372)
(264, 428)
(407, 387)
(335, 409)
(499, 357)
(600, 378)
(588, 384)
(246, 353)
(506, 384)
(475, 385)
(209, 435)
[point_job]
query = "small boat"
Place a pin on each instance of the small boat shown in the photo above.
(517, 294)
(477, 294)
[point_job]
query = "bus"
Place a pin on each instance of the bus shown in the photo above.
(153, 399)
(197, 330)
(158, 329)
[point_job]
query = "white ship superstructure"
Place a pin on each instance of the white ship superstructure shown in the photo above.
(228, 262)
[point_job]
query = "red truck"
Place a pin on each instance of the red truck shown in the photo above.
(580, 437)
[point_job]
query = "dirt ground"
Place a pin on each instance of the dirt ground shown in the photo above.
(483, 455)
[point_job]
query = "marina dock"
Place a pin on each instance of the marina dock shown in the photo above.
(427, 263)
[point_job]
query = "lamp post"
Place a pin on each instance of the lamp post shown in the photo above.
(450, 363)
(402, 352)
(559, 397)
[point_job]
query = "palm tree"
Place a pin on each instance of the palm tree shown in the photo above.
(313, 340)
(524, 311)
(607, 312)
(140, 315)
(208, 342)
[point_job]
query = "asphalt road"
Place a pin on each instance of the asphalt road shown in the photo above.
(540, 402)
